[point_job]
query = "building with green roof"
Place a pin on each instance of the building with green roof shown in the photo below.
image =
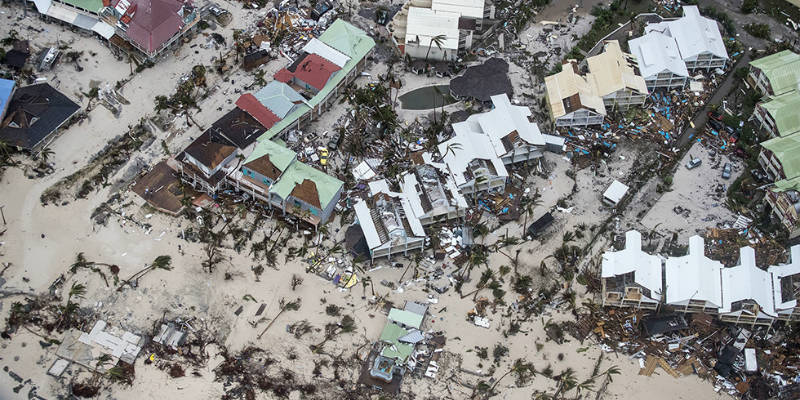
(91, 6)
(306, 192)
(348, 40)
(266, 163)
(780, 115)
(780, 158)
(775, 74)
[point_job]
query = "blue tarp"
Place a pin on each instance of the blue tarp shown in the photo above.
(6, 90)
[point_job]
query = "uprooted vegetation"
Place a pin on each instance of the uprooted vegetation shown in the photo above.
(98, 172)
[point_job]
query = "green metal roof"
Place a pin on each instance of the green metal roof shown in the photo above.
(394, 349)
(785, 110)
(327, 186)
(348, 40)
(89, 5)
(279, 155)
(782, 69)
(279, 97)
(787, 184)
(787, 150)
(406, 318)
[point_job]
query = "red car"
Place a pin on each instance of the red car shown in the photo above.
(715, 115)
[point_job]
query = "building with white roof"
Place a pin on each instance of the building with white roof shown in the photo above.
(698, 38)
(631, 277)
(747, 296)
(424, 26)
(455, 21)
(388, 222)
(659, 61)
(693, 282)
(786, 286)
(615, 77)
(485, 143)
(433, 194)
(573, 99)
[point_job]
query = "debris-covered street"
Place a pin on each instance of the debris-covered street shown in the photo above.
(444, 199)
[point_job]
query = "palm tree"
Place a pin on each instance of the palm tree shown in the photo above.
(77, 290)
(438, 40)
(283, 305)
(161, 262)
(46, 153)
(524, 371)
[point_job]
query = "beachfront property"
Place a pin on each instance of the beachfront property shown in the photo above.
(777, 77)
(238, 151)
(778, 115)
(439, 29)
(775, 74)
(397, 343)
(786, 287)
(747, 295)
(572, 98)
(280, 107)
(631, 277)
(743, 294)
(613, 82)
(388, 222)
(780, 159)
(144, 27)
(433, 194)
(692, 281)
(616, 77)
(659, 61)
(33, 115)
(477, 155)
(698, 38)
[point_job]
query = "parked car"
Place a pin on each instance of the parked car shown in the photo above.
(726, 171)
(693, 163)
(715, 115)
(323, 156)
(333, 144)
(716, 125)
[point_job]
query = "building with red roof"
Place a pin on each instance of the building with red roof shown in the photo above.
(310, 72)
(152, 25)
(250, 104)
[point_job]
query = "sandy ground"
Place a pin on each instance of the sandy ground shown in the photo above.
(695, 191)
(187, 290)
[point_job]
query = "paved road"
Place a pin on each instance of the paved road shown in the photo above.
(723, 90)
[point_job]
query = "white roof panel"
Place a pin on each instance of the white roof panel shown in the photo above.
(316, 46)
(693, 276)
(425, 24)
(693, 33)
(655, 53)
(747, 282)
(367, 226)
(616, 191)
(646, 267)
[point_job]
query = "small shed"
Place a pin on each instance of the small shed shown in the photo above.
(614, 194)
(538, 226)
(255, 59)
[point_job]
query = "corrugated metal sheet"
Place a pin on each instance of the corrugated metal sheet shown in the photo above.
(315, 46)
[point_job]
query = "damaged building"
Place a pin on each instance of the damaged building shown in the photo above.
(659, 61)
(698, 38)
(743, 294)
(439, 29)
(780, 159)
(584, 99)
(388, 222)
(631, 277)
(477, 155)
(433, 195)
